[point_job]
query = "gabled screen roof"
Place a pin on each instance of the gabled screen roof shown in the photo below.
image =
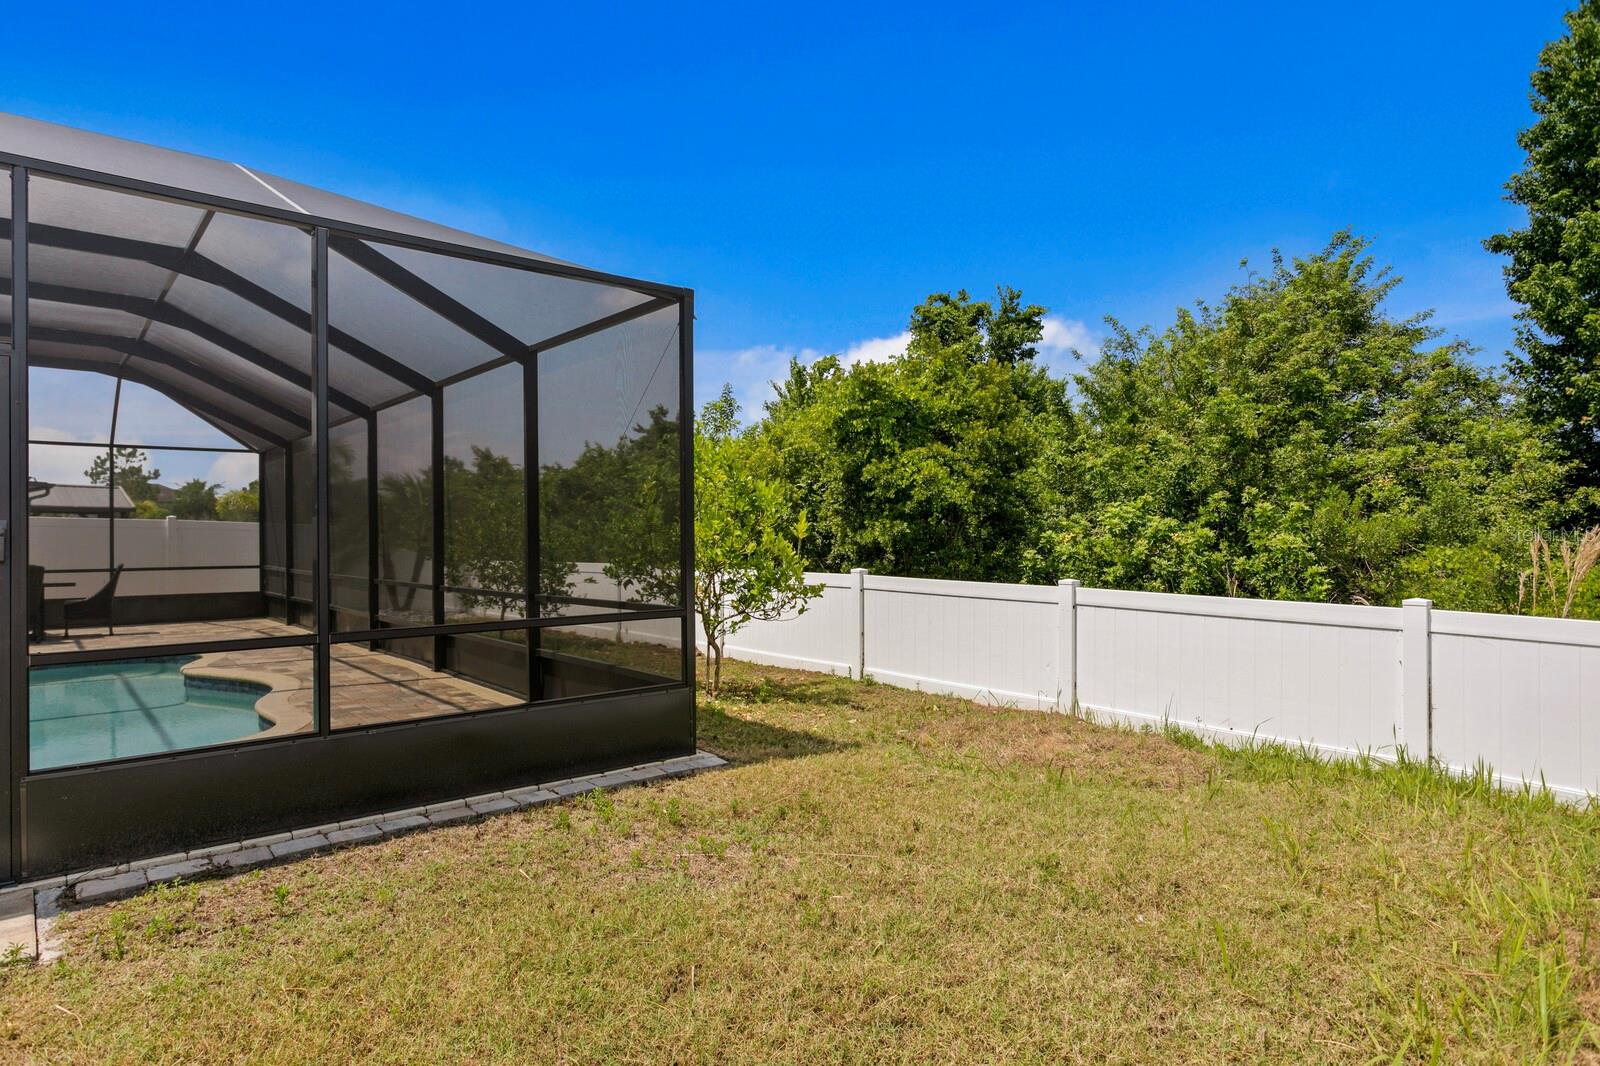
(214, 308)
(48, 142)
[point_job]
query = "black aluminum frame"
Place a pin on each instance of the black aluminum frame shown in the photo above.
(70, 817)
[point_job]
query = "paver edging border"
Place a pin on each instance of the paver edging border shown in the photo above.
(102, 885)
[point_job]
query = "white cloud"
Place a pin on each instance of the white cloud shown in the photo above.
(877, 349)
(1064, 335)
(753, 371)
(51, 433)
(61, 466)
(234, 470)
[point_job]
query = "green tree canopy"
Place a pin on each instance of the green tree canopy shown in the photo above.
(134, 474)
(617, 505)
(193, 499)
(240, 505)
(1296, 441)
(483, 526)
(1554, 271)
(930, 464)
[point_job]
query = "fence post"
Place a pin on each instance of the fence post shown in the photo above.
(858, 589)
(1067, 644)
(1416, 678)
(169, 532)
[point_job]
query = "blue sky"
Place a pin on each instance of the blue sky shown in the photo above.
(813, 171)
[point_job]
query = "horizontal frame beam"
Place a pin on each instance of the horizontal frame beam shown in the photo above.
(168, 315)
(101, 445)
(163, 651)
(498, 626)
(224, 422)
(306, 220)
(599, 325)
(201, 268)
(309, 640)
(426, 294)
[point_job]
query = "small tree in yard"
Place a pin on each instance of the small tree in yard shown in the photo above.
(747, 550)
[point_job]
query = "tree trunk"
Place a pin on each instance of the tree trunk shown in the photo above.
(713, 667)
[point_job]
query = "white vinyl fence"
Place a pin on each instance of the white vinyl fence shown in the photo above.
(1519, 694)
(62, 544)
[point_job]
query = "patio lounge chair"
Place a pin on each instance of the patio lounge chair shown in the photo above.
(93, 610)
(35, 602)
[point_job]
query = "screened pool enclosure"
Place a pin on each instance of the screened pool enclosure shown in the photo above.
(316, 509)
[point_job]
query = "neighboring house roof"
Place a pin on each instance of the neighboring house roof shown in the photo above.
(80, 500)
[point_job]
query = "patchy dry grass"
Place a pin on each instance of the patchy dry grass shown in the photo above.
(883, 876)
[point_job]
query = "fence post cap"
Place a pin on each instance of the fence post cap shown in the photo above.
(1416, 601)
(858, 570)
(1069, 581)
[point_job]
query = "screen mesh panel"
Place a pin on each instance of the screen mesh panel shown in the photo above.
(609, 485)
(5, 256)
(350, 524)
(275, 524)
(485, 498)
(393, 322)
(68, 405)
(397, 680)
(532, 307)
(302, 529)
(211, 309)
(405, 513)
(146, 417)
(205, 317)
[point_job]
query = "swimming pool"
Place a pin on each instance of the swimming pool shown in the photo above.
(88, 713)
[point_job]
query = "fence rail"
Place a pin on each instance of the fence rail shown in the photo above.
(1521, 695)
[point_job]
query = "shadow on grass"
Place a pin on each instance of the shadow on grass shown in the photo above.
(741, 740)
(773, 686)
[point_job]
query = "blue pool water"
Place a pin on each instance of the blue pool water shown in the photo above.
(79, 714)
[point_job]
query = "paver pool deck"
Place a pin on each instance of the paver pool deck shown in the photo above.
(367, 687)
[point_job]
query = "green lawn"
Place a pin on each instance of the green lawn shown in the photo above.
(881, 876)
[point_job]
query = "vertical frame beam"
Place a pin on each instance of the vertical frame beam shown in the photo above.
(321, 572)
(111, 486)
(261, 530)
(374, 605)
(438, 525)
(686, 494)
(288, 525)
(14, 742)
(530, 519)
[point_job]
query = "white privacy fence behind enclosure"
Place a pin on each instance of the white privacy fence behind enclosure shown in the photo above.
(63, 545)
(826, 637)
(1521, 695)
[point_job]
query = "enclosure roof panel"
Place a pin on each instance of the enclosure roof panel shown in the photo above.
(47, 142)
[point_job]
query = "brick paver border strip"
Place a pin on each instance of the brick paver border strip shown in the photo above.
(87, 887)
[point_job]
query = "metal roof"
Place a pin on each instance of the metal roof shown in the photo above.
(79, 499)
